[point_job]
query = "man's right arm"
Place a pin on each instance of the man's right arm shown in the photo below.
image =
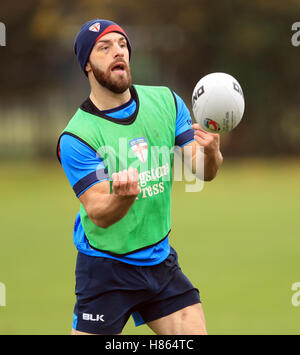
(91, 183)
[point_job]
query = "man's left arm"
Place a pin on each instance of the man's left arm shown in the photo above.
(212, 155)
(192, 136)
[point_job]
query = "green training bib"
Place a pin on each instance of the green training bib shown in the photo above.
(144, 141)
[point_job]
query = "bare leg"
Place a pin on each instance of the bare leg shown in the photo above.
(187, 321)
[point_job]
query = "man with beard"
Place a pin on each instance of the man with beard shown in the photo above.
(125, 264)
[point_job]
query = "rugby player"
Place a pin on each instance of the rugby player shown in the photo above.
(125, 264)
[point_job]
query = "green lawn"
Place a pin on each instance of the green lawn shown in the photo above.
(238, 241)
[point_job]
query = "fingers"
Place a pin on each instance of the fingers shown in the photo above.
(206, 138)
(125, 183)
(133, 174)
(196, 126)
(198, 129)
(200, 140)
(210, 141)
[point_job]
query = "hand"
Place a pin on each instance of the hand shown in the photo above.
(212, 155)
(210, 141)
(125, 183)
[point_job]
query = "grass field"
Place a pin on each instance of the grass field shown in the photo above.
(238, 241)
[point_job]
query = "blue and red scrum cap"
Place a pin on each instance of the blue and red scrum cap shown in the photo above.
(89, 34)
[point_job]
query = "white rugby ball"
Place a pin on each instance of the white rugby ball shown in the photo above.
(218, 103)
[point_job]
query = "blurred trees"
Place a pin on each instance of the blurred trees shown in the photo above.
(174, 43)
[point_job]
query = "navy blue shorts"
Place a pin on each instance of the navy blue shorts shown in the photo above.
(109, 291)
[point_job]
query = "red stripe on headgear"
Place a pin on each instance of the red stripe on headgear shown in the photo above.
(111, 28)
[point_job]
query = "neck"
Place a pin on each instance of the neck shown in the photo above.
(105, 99)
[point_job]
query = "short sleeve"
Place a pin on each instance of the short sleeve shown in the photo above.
(183, 132)
(82, 165)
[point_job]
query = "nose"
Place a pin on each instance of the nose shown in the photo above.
(118, 50)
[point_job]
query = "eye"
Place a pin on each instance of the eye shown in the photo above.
(103, 47)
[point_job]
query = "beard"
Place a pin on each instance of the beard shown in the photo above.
(115, 83)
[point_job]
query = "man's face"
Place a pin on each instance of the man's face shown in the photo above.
(109, 62)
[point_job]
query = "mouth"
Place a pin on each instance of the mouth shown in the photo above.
(119, 67)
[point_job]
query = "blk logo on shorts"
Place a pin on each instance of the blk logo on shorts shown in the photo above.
(93, 318)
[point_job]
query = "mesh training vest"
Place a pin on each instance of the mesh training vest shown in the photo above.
(144, 141)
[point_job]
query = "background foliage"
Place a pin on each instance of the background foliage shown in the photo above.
(174, 43)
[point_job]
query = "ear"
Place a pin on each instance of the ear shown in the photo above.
(88, 67)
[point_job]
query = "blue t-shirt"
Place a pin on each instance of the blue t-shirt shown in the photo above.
(80, 163)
